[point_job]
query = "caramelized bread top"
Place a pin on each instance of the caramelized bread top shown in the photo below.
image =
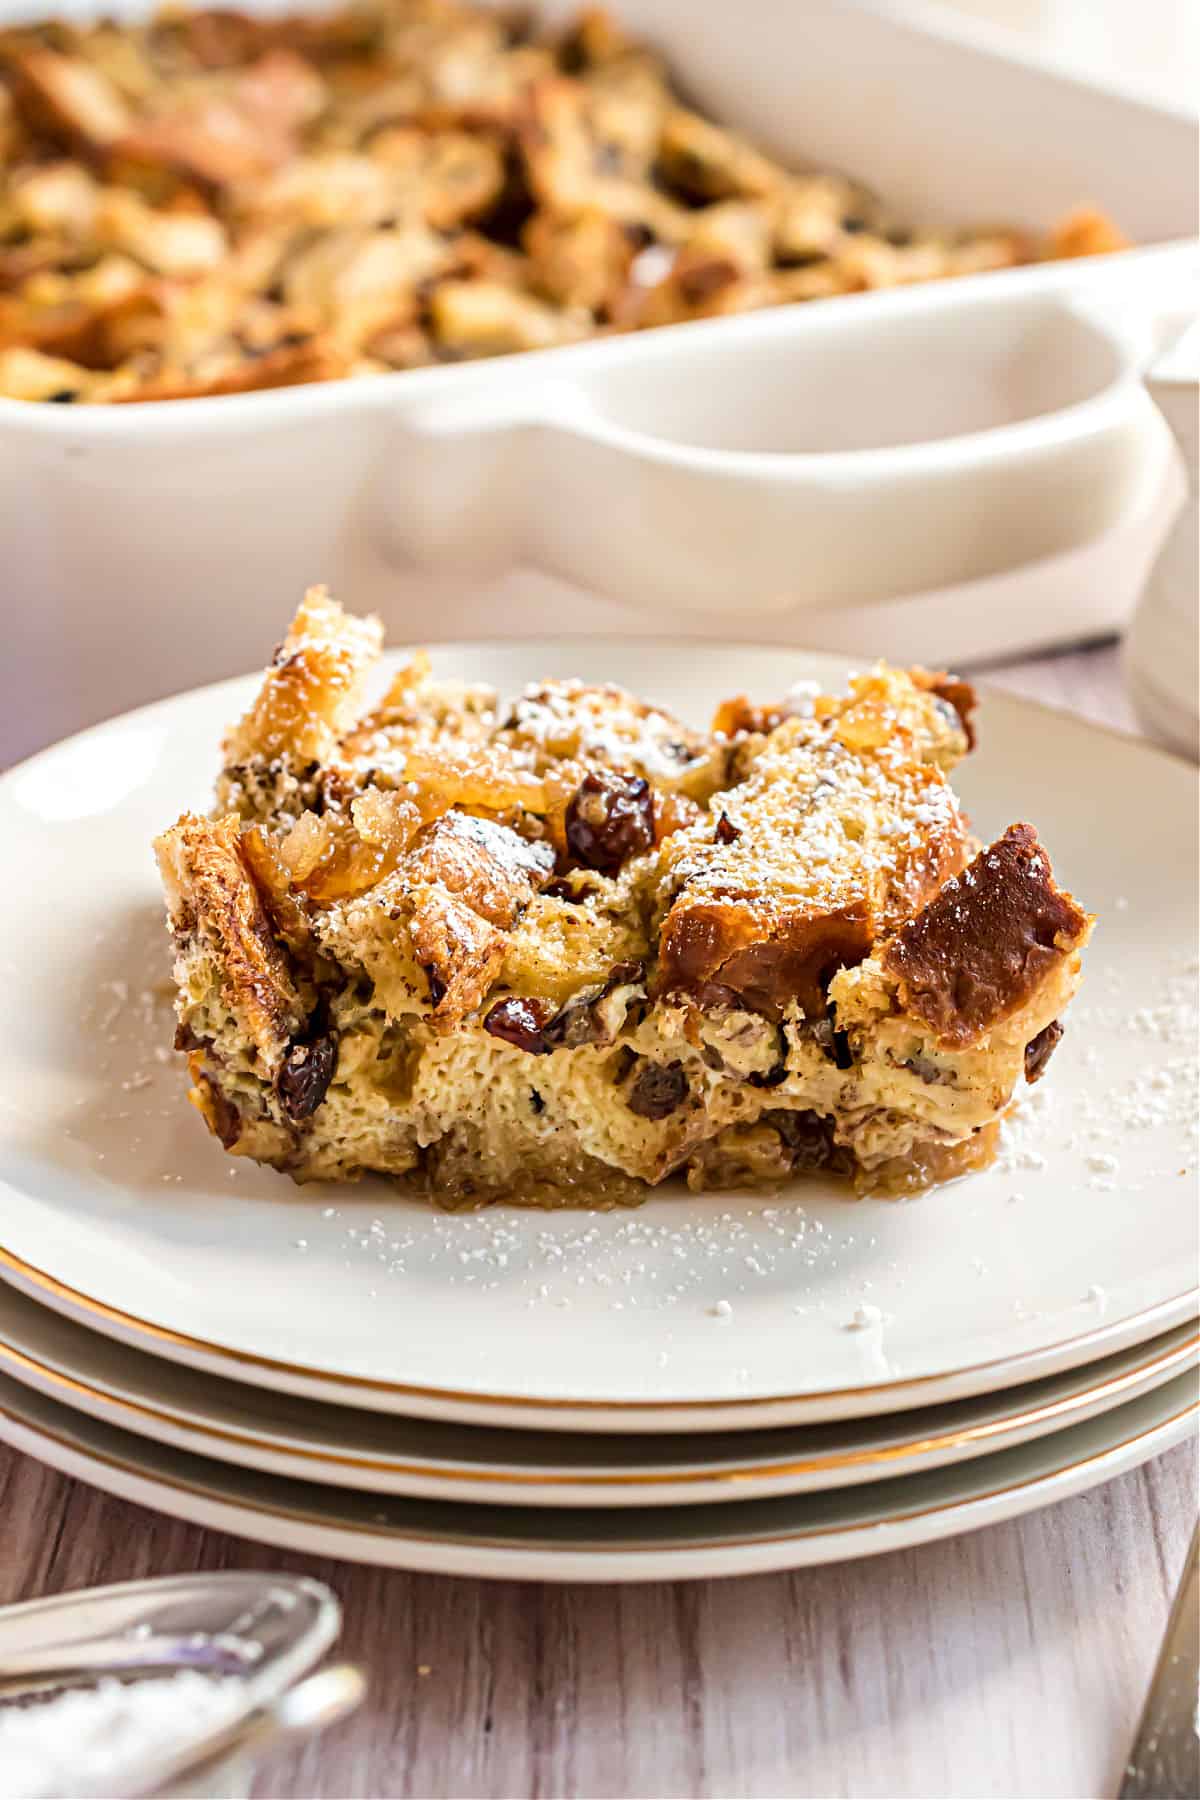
(986, 942)
(313, 689)
(842, 828)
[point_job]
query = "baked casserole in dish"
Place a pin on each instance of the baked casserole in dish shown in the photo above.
(212, 203)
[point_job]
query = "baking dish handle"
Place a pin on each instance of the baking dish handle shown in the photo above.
(540, 474)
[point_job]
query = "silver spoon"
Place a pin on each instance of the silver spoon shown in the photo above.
(266, 1630)
(1165, 1761)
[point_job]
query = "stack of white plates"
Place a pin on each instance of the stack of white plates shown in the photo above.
(703, 1385)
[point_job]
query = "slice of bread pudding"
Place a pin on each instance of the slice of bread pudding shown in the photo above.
(559, 949)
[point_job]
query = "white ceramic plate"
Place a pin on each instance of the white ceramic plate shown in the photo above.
(600, 1544)
(286, 1434)
(117, 1206)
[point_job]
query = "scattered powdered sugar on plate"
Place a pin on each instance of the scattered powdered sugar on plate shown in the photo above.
(639, 1260)
(97, 1740)
(1027, 1124)
(865, 1317)
(1162, 1094)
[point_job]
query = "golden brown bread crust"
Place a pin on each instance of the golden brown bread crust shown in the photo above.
(495, 871)
(313, 687)
(818, 852)
(470, 880)
(70, 99)
(460, 953)
(212, 897)
(764, 956)
(955, 692)
(741, 716)
(978, 951)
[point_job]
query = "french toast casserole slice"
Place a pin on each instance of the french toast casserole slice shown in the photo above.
(559, 950)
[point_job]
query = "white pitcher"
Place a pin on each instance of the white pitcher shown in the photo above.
(1162, 651)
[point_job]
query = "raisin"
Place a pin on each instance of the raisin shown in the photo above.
(186, 1039)
(657, 1090)
(726, 833)
(577, 1023)
(835, 1043)
(572, 54)
(610, 818)
(1040, 1049)
(521, 1023)
(223, 1114)
(573, 1027)
(437, 987)
(305, 1076)
(959, 700)
(563, 890)
(806, 1136)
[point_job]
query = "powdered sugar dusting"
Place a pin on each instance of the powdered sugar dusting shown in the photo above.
(634, 1259)
(865, 1317)
(1157, 1101)
(1160, 1096)
(93, 1741)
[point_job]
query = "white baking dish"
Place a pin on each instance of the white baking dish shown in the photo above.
(148, 548)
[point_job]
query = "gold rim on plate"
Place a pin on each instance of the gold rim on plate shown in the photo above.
(587, 1547)
(63, 1298)
(1155, 1369)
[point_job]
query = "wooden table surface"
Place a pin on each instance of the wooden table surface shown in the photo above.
(1011, 1662)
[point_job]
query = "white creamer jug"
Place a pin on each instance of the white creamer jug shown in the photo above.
(1162, 651)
